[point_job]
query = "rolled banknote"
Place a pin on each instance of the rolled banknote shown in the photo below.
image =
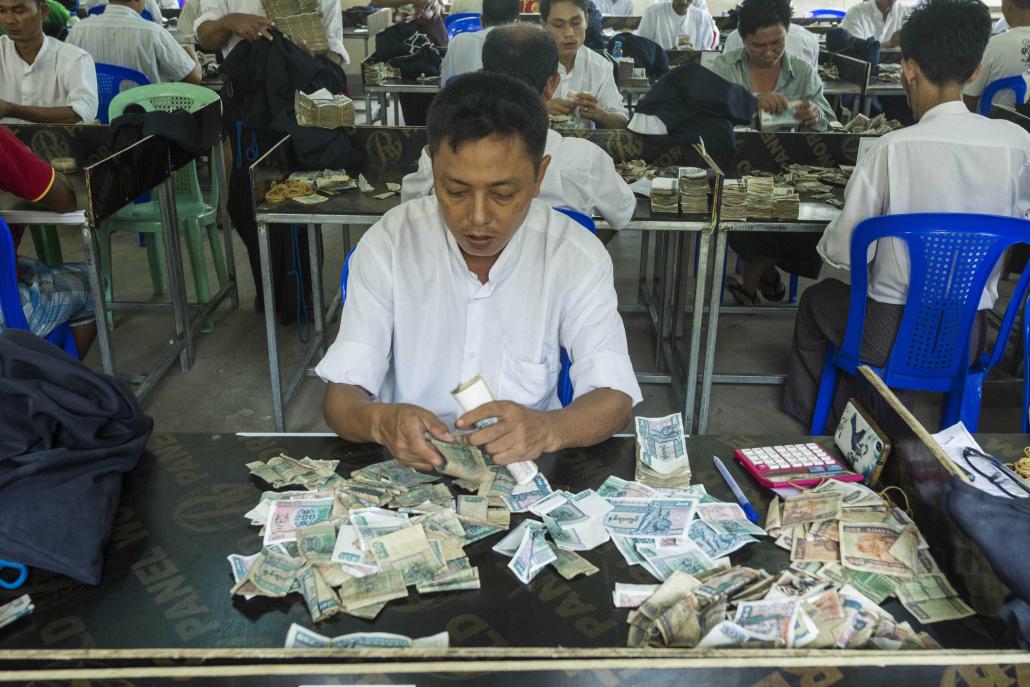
(475, 393)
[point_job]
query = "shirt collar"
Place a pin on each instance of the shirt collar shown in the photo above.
(501, 269)
(580, 65)
(739, 59)
(40, 56)
(951, 107)
(121, 10)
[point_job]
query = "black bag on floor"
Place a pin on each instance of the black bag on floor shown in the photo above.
(67, 434)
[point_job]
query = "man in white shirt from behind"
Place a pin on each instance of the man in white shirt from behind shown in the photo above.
(879, 19)
(949, 161)
(1007, 54)
(617, 8)
(465, 51)
(122, 37)
(42, 80)
(678, 24)
(480, 278)
(580, 175)
(800, 42)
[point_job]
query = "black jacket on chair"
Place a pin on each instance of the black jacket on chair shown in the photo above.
(67, 434)
(645, 53)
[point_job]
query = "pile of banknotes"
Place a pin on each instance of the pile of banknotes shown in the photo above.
(19, 608)
(844, 533)
(662, 451)
(759, 196)
(665, 195)
(734, 201)
(693, 188)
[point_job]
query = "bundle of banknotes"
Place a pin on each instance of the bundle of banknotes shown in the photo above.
(734, 200)
(844, 533)
(19, 608)
(665, 197)
(693, 188)
(759, 196)
(662, 451)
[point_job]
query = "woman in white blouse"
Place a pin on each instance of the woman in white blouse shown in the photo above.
(587, 78)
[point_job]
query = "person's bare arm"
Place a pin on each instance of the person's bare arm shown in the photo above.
(60, 197)
(196, 74)
(610, 120)
(215, 33)
(524, 434)
(401, 428)
(39, 115)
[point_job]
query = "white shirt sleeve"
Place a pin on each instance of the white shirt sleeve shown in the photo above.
(212, 10)
(708, 34)
(733, 41)
(172, 60)
(155, 12)
(852, 21)
(419, 183)
(361, 353)
(864, 197)
(332, 17)
(613, 197)
(80, 83)
(608, 96)
(648, 26)
(592, 332)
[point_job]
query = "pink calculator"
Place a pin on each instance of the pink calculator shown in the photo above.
(799, 465)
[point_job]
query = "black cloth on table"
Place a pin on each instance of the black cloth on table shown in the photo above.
(178, 126)
(66, 436)
(258, 110)
(408, 48)
(645, 53)
(841, 41)
(695, 103)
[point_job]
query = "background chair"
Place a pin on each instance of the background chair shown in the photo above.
(99, 9)
(1016, 84)
(826, 13)
(469, 24)
(451, 18)
(952, 257)
(1026, 370)
(10, 299)
(193, 212)
(111, 80)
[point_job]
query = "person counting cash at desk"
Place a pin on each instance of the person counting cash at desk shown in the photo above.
(679, 24)
(479, 278)
(587, 84)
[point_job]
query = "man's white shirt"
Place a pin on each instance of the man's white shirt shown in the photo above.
(464, 54)
(61, 76)
(661, 24)
(581, 176)
(866, 21)
(332, 19)
(120, 36)
(417, 322)
(592, 74)
(1007, 54)
(800, 42)
(621, 8)
(151, 6)
(950, 161)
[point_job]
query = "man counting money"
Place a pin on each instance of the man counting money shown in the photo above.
(479, 278)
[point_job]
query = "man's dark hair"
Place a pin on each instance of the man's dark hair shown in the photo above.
(522, 51)
(497, 12)
(545, 7)
(758, 14)
(480, 104)
(946, 38)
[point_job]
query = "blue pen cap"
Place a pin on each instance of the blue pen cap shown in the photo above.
(750, 512)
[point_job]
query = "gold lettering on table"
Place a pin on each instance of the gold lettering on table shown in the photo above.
(214, 508)
(819, 148)
(384, 146)
(176, 599)
(550, 589)
(126, 528)
(978, 676)
(467, 625)
(62, 629)
(175, 459)
(49, 144)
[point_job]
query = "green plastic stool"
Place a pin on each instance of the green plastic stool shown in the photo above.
(48, 244)
(195, 215)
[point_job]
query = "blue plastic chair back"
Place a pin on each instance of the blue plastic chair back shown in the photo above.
(1026, 366)
(98, 9)
(464, 25)
(825, 12)
(451, 18)
(344, 273)
(1016, 84)
(952, 257)
(565, 390)
(10, 298)
(110, 79)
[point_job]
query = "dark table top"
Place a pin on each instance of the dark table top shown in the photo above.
(166, 580)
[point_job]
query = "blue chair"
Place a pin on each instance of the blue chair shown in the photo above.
(952, 257)
(1026, 367)
(10, 299)
(565, 390)
(458, 16)
(826, 13)
(99, 9)
(1016, 84)
(110, 82)
(464, 25)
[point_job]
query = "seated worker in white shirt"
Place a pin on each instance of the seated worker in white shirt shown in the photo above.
(678, 24)
(587, 84)
(465, 51)
(122, 37)
(618, 8)
(222, 24)
(42, 80)
(1007, 54)
(800, 42)
(580, 175)
(480, 278)
(879, 19)
(949, 161)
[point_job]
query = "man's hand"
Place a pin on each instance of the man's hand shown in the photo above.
(588, 106)
(519, 433)
(893, 42)
(402, 428)
(806, 113)
(305, 47)
(5, 108)
(557, 106)
(249, 27)
(773, 103)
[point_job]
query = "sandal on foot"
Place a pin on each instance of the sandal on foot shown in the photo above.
(743, 298)
(772, 289)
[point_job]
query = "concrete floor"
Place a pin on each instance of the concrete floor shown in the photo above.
(227, 390)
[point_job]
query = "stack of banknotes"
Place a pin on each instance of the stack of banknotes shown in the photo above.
(13, 610)
(662, 451)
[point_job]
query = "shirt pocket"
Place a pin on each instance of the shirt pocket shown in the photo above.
(528, 384)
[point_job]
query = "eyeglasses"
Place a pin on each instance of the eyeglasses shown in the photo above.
(996, 472)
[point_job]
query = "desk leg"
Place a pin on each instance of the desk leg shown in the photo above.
(368, 109)
(173, 264)
(645, 241)
(91, 250)
(695, 330)
(270, 334)
(315, 254)
(396, 109)
(661, 268)
(226, 222)
(346, 242)
(713, 325)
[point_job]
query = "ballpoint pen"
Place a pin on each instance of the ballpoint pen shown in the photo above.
(749, 510)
